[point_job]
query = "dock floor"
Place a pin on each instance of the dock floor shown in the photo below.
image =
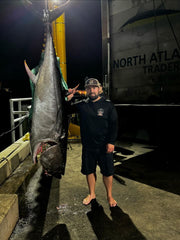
(148, 203)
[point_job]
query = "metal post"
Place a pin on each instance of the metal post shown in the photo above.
(12, 120)
(20, 115)
(105, 44)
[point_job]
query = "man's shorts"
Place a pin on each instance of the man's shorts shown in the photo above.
(93, 157)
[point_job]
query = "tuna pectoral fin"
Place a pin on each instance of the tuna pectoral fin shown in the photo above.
(30, 74)
(52, 161)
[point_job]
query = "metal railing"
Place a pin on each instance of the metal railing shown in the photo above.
(22, 114)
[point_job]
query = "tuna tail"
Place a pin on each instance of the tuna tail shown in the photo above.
(53, 14)
(46, 15)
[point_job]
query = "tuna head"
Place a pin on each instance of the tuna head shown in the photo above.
(52, 156)
(52, 161)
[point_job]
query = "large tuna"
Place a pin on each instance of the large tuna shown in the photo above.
(49, 124)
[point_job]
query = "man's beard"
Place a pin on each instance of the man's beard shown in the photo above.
(94, 97)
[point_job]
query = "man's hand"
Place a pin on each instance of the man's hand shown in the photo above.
(110, 148)
(71, 92)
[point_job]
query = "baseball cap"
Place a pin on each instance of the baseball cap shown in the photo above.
(92, 82)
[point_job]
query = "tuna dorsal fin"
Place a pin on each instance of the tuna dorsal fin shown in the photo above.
(53, 14)
(30, 74)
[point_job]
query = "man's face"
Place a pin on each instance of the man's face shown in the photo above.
(92, 92)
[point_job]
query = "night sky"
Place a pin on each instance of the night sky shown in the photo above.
(21, 38)
(84, 49)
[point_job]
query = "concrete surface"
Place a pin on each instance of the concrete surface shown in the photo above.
(12, 189)
(16, 169)
(19, 178)
(12, 156)
(143, 212)
(8, 214)
(145, 187)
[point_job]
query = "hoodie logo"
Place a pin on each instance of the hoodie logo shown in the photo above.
(100, 112)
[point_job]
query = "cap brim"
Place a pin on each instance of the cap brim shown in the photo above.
(92, 85)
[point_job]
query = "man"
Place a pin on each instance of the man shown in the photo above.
(98, 124)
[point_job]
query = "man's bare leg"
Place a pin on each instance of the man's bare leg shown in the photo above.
(108, 184)
(91, 180)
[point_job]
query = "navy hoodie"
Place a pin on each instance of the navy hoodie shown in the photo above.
(98, 122)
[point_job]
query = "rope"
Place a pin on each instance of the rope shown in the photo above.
(6, 158)
(11, 130)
